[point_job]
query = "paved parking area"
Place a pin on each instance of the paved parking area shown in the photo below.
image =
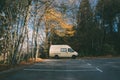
(68, 69)
(63, 66)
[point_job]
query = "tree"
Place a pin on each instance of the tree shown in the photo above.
(13, 22)
(107, 10)
(84, 25)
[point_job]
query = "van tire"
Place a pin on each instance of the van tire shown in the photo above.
(56, 57)
(73, 57)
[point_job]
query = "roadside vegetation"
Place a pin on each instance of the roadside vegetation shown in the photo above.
(29, 27)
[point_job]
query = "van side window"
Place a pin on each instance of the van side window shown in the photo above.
(63, 49)
(70, 50)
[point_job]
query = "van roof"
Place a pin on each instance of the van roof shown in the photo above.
(60, 45)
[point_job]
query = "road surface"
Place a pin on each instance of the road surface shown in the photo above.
(67, 69)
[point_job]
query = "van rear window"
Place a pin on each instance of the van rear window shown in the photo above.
(63, 49)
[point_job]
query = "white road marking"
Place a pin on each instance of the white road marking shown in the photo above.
(50, 70)
(96, 67)
(99, 69)
(89, 64)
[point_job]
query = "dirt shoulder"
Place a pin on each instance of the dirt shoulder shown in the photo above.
(5, 67)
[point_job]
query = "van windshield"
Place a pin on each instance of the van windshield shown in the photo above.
(70, 50)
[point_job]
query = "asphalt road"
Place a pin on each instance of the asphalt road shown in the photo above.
(68, 69)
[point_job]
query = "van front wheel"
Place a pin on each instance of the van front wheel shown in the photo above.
(73, 57)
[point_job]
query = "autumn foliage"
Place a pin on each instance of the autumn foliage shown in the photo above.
(53, 15)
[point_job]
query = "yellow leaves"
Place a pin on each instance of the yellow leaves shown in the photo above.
(53, 15)
(60, 33)
(70, 32)
(66, 26)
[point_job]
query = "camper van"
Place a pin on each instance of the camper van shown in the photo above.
(57, 51)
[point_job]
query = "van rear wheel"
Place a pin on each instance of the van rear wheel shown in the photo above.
(56, 56)
(73, 57)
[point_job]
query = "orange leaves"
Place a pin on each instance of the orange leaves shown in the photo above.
(53, 15)
(71, 33)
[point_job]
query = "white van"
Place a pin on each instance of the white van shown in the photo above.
(57, 51)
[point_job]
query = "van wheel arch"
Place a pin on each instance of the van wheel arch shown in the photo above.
(56, 57)
(74, 56)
